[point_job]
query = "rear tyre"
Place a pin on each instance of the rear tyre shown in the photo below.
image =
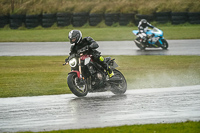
(76, 89)
(119, 87)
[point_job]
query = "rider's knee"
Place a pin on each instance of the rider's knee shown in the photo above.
(101, 58)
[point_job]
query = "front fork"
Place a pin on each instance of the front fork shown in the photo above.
(87, 82)
(80, 70)
(81, 78)
(160, 41)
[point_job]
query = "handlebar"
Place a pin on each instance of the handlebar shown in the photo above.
(65, 63)
(76, 55)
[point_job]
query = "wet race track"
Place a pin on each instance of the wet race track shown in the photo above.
(166, 105)
(176, 47)
(142, 106)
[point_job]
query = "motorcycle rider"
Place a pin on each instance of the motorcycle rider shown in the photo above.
(143, 27)
(89, 45)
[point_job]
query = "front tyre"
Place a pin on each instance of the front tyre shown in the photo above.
(164, 44)
(119, 87)
(139, 44)
(74, 85)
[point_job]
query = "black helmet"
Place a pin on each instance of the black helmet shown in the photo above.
(75, 36)
(143, 21)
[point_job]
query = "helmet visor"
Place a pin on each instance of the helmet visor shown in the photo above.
(72, 40)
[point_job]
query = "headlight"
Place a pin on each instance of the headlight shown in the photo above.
(73, 62)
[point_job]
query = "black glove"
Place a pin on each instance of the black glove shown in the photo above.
(67, 59)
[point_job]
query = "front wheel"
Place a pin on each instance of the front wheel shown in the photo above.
(139, 44)
(118, 87)
(164, 44)
(76, 88)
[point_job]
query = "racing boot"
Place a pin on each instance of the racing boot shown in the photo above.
(110, 72)
(106, 67)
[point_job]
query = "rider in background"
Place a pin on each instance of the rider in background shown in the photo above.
(143, 27)
(86, 44)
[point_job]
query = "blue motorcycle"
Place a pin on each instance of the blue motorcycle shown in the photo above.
(154, 39)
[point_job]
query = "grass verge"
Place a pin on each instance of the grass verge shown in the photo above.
(45, 75)
(183, 127)
(104, 33)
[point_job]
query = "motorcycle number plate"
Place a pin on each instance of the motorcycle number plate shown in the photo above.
(87, 60)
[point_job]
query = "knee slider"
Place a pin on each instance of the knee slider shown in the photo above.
(101, 58)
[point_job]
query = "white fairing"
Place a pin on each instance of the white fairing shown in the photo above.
(157, 31)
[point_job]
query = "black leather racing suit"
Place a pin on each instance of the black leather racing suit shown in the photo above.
(91, 45)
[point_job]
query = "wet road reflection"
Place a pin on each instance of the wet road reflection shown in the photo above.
(142, 106)
(152, 52)
(94, 109)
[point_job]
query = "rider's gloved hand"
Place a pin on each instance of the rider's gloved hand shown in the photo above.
(66, 60)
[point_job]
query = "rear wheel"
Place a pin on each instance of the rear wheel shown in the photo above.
(118, 87)
(75, 86)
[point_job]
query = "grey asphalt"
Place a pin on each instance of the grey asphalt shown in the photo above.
(176, 47)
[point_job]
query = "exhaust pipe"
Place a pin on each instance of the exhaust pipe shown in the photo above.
(115, 79)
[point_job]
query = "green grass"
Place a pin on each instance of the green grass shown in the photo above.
(99, 34)
(45, 75)
(183, 127)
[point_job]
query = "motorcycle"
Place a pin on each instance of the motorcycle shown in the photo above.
(154, 39)
(89, 76)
